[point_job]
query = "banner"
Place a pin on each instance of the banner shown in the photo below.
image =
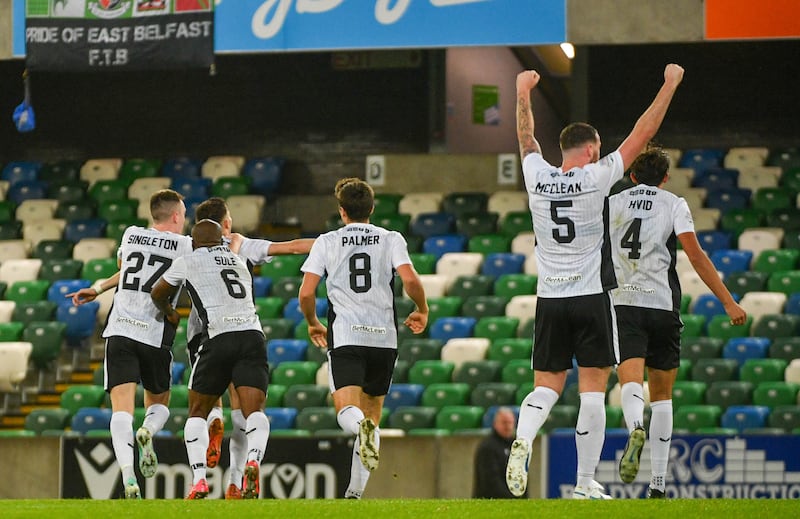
(740, 19)
(85, 35)
(741, 467)
(292, 468)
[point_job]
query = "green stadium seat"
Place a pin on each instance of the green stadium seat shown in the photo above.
(459, 417)
(714, 370)
(424, 263)
(11, 332)
(413, 417)
(717, 431)
(775, 394)
(275, 395)
(684, 370)
(475, 372)
(488, 394)
(786, 218)
(46, 419)
(776, 260)
(28, 312)
(767, 199)
(394, 222)
(99, 268)
(292, 372)
(726, 393)
(737, 220)
(11, 230)
(474, 285)
(786, 348)
(773, 326)
(762, 370)
(694, 348)
(743, 282)
(414, 243)
(786, 417)
(786, 281)
(686, 392)
(477, 224)
(686, 300)
(82, 395)
(301, 396)
(53, 249)
(400, 374)
(75, 210)
(386, 203)
(415, 349)
(504, 350)
(117, 210)
(693, 417)
(510, 285)
(60, 170)
(104, 190)
(230, 186)
(721, 327)
(176, 421)
(569, 396)
(286, 287)
(427, 372)
(693, 325)
(27, 291)
(501, 327)
(614, 417)
(116, 229)
(269, 307)
(561, 416)
(56, 269)
(441, 394)
(516, 222)
(458, 203)
(301, 329)
(132, 169)
(484, 306)
(8, 211)
(284, 266)
(517, 371)
(447, 306)
(489, 243)
(316, 419)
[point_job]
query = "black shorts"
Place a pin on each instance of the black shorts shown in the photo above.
(127, 360)
(650, 334)
(194, 345)
(581, 326)
(365, 366)
(238, 357)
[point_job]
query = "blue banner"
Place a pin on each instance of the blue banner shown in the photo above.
(303, 25)
(742, 467)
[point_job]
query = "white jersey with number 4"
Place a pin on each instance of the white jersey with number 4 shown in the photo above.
(359, 260)
(645, 222)
(569, 215)
(144, 254)
(221, 288)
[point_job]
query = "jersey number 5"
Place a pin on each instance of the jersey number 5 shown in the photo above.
(569, 233)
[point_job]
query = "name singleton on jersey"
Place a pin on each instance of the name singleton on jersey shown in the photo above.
(153, 241)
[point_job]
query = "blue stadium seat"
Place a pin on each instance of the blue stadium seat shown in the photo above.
(281, 350)
(446, 328)
(91, 419)
(178, 369)
(26, 190)
(700, 159)
(281, 417)
(76, 230)
(264, 173)
(292, 309)
(192, 187)
(729, 261)
(716, 178)
(488, 417)
(440, 244)
(712, 241)
(743, 348)
(500, 263)
(403, 395)
(728, 199)
(432, 224)
(742, 417)
(81, 321)
(62, 287)
(261, 286)
(181, 168)
(792, 305)
(21, 171)
(708, 305)
(191, 206)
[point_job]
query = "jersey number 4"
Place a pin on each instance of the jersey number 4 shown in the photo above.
(630, 240)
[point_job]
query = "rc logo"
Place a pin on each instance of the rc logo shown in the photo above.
(99, 471)
(109, 8)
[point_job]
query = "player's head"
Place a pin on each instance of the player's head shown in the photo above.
(355, 198)
(580, 137)
(217, 210)
(167, 209)
(504, 422)
(206, 233)
(650, 167)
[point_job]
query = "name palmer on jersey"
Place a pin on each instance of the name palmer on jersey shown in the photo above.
(360, 239)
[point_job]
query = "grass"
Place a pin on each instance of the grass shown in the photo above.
(403, 508)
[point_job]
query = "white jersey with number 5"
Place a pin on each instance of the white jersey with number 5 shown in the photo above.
(221, 288)
(144, 254)
(645, 222)
(570, 224)
(360, 261)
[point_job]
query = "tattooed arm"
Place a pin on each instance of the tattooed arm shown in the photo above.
(526, 81)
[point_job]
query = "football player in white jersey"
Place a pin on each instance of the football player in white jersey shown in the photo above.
(220, 286)
(254, 252)
(360, 261)
(645, 224)
(138, 339)
(574, 314)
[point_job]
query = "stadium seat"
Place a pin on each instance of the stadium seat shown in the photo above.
(7, 311)
(27, 312)
(476, 224)
(497, 327)
(775, 394)
(281, 418)
(229, 186)
(285, 287)
(460, 203)
(786, 281)
(10, 230)
(510, 285)
(89, 248)
(741, 283)
(246, 212)
(522, 308)
(14, 270)
(786, 417)
(116, 210)
(776, 260)
(694, 325)
(561, 416)
(792, 304)
(685, 392)
(413, 417)
(505, 350)
(13, 249)
(741, 417)
(787, 218)
(301, 396)
(433, 224)
(99, 268)
(489, 243)
(759, 177)
(181, 167)
(693, 417)
(743, 348)
(745, 156)
(57, 291)
(726, 393)
(707, 305)
(415, 204)
(468, 286)
(316, 419)
(47, 419)
(728, 198)
(27, 291)
(459, 417)
(295, 372)
(772, 326)
(415, 349)
(760, 238)
(301, 330)
(499, 263)
(516, 222)
(447, 328)
(701, 159)
(427, 372)
(475, 372)
(786, 348)
(26, 190)
(35, 232)
(21, 171)
(730, 261)
(455, 264)
(35, 210)
(282, 350)
(268, 307)
(459, 350)
(792, 372)
(88, 419)
(77, 230)
(394, 222)
(10, 331)
(762, 370)
(714, 370)
(768, 199)
(720, 326)
(264, 173)
(488, 394)
(403, 395)
(81, 395)
(292, 309)
(737, 220)
(445, 393)
(505, 202)
(711, 240)
(81, 321)
(484, 306)
(441, 244)
(758, 304)
(517, 371)
(79, 210)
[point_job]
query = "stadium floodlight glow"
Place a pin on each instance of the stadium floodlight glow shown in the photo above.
(569, 49)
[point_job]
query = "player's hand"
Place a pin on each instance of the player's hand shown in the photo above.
(527, 80)
(82, 296)
(416, 321)
(673, 74)
(173, 317)
(737, 314)
(318, 334)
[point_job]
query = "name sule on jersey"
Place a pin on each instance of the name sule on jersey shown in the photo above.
(225, 261)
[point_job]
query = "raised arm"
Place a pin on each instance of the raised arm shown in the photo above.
(650, 121)
(86, 295)
(526, 81)
(299, 246)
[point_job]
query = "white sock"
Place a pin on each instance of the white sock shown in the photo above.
(633, 405)
(257, 431)
(592, 425)
(533, 412)
(215, 414)
(359, 475)
(155, 418)
(349, 419)
(195, 437)
(237, 447)
(122, 440)
(660, 430)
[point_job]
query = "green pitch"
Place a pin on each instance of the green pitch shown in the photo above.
(403, 508)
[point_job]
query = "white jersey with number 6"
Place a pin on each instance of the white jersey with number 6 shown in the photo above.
(645, 222)
(221, 288)
(570, 224)
(360, 261)
(144, 254)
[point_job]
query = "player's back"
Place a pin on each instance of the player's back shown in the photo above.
(144, 255)
(644, 222)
